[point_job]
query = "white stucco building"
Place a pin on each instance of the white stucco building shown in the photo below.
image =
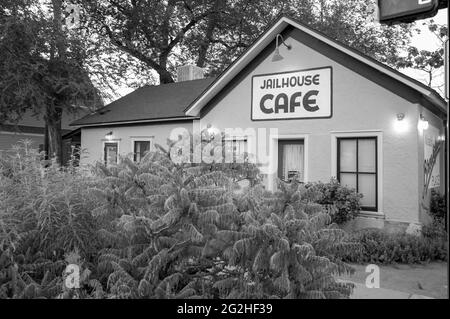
(338, 113)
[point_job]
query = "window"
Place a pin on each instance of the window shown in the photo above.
(111, 151)
(357, 168)
(237, 149)
(291, 160)
(140, 149)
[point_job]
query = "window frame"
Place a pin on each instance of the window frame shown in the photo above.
(232, 140)
(357, 172)
(281, 143)
(134, 141)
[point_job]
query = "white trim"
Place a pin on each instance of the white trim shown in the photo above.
(104, 141)
(236, 138)
(370, 214)
(379, 135)
(274, 163)
(265, 39)
(357, 131)
(21, 133)
(136, 122)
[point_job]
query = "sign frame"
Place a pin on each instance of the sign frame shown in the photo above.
(428, 10)
(294, 118)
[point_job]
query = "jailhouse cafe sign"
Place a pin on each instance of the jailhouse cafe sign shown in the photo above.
(292, 95)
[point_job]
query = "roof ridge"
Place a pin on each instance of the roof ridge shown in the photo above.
(414, 84)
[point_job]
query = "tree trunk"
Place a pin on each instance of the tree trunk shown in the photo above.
(204, 46)
(53, 114)
(212, 22)
(53, 119)
(165, 77)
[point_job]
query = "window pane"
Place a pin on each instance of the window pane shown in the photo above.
(140, 148)
(367, 155)
(367, 187)
(348, 180)
(348, 155)
(293, 162)
(239, 149)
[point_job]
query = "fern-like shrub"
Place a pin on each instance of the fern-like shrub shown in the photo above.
(157, 229)
(179, 231)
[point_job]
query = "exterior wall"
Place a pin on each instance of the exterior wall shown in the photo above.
(359, 106)
(92, 139)
(9, 139)
(424, 199)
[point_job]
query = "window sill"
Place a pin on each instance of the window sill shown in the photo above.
(371, 214)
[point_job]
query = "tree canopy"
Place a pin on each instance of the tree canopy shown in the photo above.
(212, 33)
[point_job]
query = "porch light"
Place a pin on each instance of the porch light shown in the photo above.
(109, 136)
(423, 123)
(277, 56)
(401, 125)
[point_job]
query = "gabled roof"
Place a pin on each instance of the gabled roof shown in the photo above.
(165, 102)
(269, 35)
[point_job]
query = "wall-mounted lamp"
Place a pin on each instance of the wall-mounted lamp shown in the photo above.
(423, 123)
(109, 136)
(401, 125)
(277, 56)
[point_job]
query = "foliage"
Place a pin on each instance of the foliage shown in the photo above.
(429, 62)
(345, 200)
(42, 68)
(379, 246)
(213, 33)
(44, 213)
(156, 229)
(438, 207)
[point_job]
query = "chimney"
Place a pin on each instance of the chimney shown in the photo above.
(189, 72)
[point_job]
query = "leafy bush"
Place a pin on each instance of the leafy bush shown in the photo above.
(438, 207)
(161, 230)
(437, 229)
(378, 246)
(346, 201)
(45, 212)
(180, 232)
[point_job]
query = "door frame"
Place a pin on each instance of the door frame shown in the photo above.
(104, 149)
(274, 163)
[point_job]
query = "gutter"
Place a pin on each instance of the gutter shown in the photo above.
(174, 119)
